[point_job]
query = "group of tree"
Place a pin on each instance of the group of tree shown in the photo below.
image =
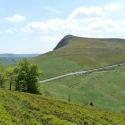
(23, 77)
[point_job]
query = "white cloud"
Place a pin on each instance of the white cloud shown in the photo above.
(52, 10)
(84, 12)
(15, 18)
(1, 32)
(37, 27)
(107, 25)
(113, 7)
(69, 25)
(87, 27)
(9, 31)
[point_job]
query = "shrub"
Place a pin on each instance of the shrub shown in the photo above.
(91, 104)
(86, 102)
(122, 110)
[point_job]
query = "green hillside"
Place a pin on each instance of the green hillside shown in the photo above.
(92, 52)
(77, 53)
(27, 109)
(54, 65)
(106, 89)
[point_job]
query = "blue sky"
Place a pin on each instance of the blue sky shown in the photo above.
(36, 26)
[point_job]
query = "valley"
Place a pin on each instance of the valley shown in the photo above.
(77, 73)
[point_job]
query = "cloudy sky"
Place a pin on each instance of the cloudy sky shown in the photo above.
(36, 26)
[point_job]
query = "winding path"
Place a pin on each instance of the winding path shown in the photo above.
(80, 72)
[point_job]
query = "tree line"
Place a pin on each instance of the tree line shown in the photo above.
(23, 77)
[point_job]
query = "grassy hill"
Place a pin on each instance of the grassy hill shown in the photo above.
(106, 89)
(27, 109)
(76, 53)
(92, 51)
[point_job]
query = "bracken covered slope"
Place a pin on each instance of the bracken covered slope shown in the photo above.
(27, 109)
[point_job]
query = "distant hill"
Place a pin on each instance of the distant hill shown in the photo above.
(74, 53)
(18, 55)
(18, 108)
(7, 59)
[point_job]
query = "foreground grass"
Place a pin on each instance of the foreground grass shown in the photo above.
(106, 89)
(27, 109)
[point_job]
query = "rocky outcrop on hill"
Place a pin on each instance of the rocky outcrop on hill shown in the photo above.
(64, 41)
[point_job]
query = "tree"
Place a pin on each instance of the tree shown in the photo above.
(91, 104)
(17, 80)
(2, 72)
(69, 99)
(27, 77)
(11, 76)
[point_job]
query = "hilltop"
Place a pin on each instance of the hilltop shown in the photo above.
(66, 40)
(79, 53)
(18, 108)
(93, 52)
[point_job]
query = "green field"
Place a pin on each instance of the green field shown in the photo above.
(18, 108)
(106, 89)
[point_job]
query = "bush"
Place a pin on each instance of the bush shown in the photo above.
(91, 104)
(86, 102)
(122, 110)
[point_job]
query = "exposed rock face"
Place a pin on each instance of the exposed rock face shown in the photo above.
(63, 41)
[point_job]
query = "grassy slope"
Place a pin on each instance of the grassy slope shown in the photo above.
(81, 53)
(54, 65)
(106, 89)
(27, 109)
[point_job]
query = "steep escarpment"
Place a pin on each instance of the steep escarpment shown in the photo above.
(64, 41)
